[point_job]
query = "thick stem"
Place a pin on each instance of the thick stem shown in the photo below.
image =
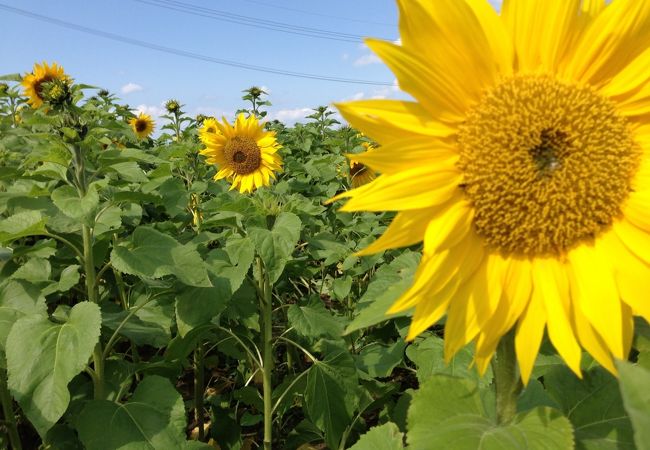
(91, 289)
(506, 378)
(266, 328)
(8, 412)
(199, 389)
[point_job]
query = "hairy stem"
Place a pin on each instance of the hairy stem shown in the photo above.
(8, 412)
(266, 324)
(199, 389)
(506, 377)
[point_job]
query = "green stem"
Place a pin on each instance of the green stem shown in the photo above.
(506, 378)
(8, 412)
(266, 328)
(91, 289)
(199, 389)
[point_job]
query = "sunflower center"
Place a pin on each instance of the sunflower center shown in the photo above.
(546, 165)
(140, 125)
(243, 154)
(357, 169)
(38, 85)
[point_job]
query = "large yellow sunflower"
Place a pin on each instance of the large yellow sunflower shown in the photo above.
(523, 166)
(42, 73)
(142, 125)
(244, 153)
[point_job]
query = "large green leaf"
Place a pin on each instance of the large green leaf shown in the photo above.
(154, 419)
(152, 254)
(383, 437)
(387, 285)
(378, 360)
(42, 358)
(18, 299)
(314, 321)
(67, 199)
(447, 412)
(148, 324)
(276, 246)
(635, 388)
(594, 406)
(26, 223)
(331, 396)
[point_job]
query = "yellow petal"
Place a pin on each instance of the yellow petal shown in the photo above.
(612, 41)
(552, 285)
(461, 326)
(591, 341)
(408, 154)
(452, 42)
(635, 239)
(528, 337)
(594, 291)
(439, 91)
(388, 120)
(630, 88)
(419, 188)
(632, 275)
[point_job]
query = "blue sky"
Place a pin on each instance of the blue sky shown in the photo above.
(145, 78)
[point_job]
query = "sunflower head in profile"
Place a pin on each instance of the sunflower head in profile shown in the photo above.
(244, 153)
(209, 127)
(33, 82)
(523, 166)
(142, 125)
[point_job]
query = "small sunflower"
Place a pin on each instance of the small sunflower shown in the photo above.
(360, 174)
(33, 82)
(523, 166)
(244, 154)
(210, 126)
(142, 125)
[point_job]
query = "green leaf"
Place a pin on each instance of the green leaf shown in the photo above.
(149, 325)
(18, 299)
(594, 406)
(341, 287)
(389, 282)
(34, 271)
(276, 246)
(634, 385)
(26, 223)
(154, 418)
(428, 356)
(383, 437)
(67, 199)
(458, 421)
(197, 306)
(152, 254)
(378, 360)
(39, 374)
(331, 396)
(314, 322)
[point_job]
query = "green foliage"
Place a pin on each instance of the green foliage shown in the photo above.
(140, 298)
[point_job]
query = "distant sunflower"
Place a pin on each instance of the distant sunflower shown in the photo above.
(33, 82)
(142, 125)
(244, 154)
(523, 166)
(209, 127)
(360, 174)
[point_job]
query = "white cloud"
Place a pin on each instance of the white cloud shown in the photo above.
(291, 116)
(365, 60)
(130, 87)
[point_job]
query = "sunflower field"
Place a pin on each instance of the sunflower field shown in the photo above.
(466, 270)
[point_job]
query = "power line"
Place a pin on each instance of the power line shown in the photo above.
(184, 53)
(313, 13)
(224, 16)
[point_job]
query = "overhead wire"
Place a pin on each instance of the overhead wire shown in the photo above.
(184, 53)
(316, 14)
(224, 16)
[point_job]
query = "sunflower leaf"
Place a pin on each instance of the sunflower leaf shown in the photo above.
(636, 398)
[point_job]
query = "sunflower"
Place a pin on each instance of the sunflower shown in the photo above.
(523, 166)
(42, 73)
(142, 125)
(360, 174)
(209, 127)
(244, 153)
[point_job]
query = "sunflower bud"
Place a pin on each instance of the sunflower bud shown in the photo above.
(103, 93)
(4, 87)
(173, 107)
(201, 118)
